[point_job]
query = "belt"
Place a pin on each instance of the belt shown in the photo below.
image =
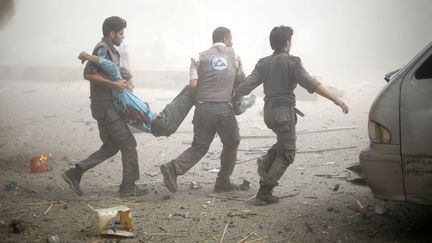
(280, 103)
(285, 103)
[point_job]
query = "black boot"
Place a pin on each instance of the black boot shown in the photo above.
(131, 190)
(73, 178)
(224, 185)
(170, 176)
(264, 195)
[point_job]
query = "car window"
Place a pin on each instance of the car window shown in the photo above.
(425, 70)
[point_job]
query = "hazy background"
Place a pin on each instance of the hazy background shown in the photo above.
(339, 40)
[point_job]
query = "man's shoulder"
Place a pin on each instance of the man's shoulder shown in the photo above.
(101, 49)
(294, 58)
(264, 59)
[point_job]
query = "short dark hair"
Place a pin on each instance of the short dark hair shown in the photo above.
(279, 37)
(113, 23)
(220, 33)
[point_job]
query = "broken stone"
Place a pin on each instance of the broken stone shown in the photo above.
(336, 187)
(245, 186)
(215, 170)
(17, 226)
(195, 185)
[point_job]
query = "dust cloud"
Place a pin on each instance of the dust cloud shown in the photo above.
(340, 41)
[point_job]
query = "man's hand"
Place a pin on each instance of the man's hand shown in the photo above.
(121, 85)
(130, 86)
(342, 105)
(321, 90)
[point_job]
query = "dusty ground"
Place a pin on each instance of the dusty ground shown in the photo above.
(54, 118)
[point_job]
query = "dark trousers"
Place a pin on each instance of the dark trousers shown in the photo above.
(281, 119)
(167, 121)
(115, 135)
(209, 119)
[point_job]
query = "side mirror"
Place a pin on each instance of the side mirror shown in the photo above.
(388, 76)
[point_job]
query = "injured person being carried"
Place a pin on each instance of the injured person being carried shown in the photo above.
(138, 113)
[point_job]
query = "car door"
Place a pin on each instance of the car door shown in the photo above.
(416, 129)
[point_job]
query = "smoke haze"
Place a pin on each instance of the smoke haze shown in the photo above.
(339, 40)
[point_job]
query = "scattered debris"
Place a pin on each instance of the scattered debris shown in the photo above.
(355, 175)
(245, 186)
(243, 214)
(153, 174)
(53, 239)
(246, 237)
(49, 208)
(329, 163)
(336, 187)
(379, 206)
(360, 205)
(58, 184)
(195, 185)
(39, 164)
(355, 168)
(183, 215)
(166, 234)
(17, 226)
(18, 185)
(309, 228)
(223, 234)
(228, 198)
(167, 197)
(214, 170)
(106, 214)
(355, 178)
(325, 150)
(329, 175)
(10, 186)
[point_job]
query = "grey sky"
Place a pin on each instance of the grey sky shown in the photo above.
(335, 38)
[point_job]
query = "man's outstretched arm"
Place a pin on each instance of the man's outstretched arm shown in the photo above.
(321, 90)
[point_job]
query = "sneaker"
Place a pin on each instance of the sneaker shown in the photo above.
(73, 178)
(170, 176)
(132, 191)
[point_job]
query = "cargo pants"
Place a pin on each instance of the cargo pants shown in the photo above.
(280, 117)
(115, 135)
(211, 118)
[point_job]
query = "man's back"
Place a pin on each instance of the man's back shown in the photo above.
(217, 73)
(280, 74)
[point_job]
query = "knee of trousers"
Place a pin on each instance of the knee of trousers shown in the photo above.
(232, 145)
(201, 148)
(289, 155)
(109, 148)
(127, 145)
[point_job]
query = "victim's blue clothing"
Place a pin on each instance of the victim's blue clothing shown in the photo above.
(138, 113)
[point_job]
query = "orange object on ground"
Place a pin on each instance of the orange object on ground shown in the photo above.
(39, 164)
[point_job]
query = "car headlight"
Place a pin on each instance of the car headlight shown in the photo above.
(378, 133)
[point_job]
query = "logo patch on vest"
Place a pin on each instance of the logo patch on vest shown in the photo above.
(219, 62)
